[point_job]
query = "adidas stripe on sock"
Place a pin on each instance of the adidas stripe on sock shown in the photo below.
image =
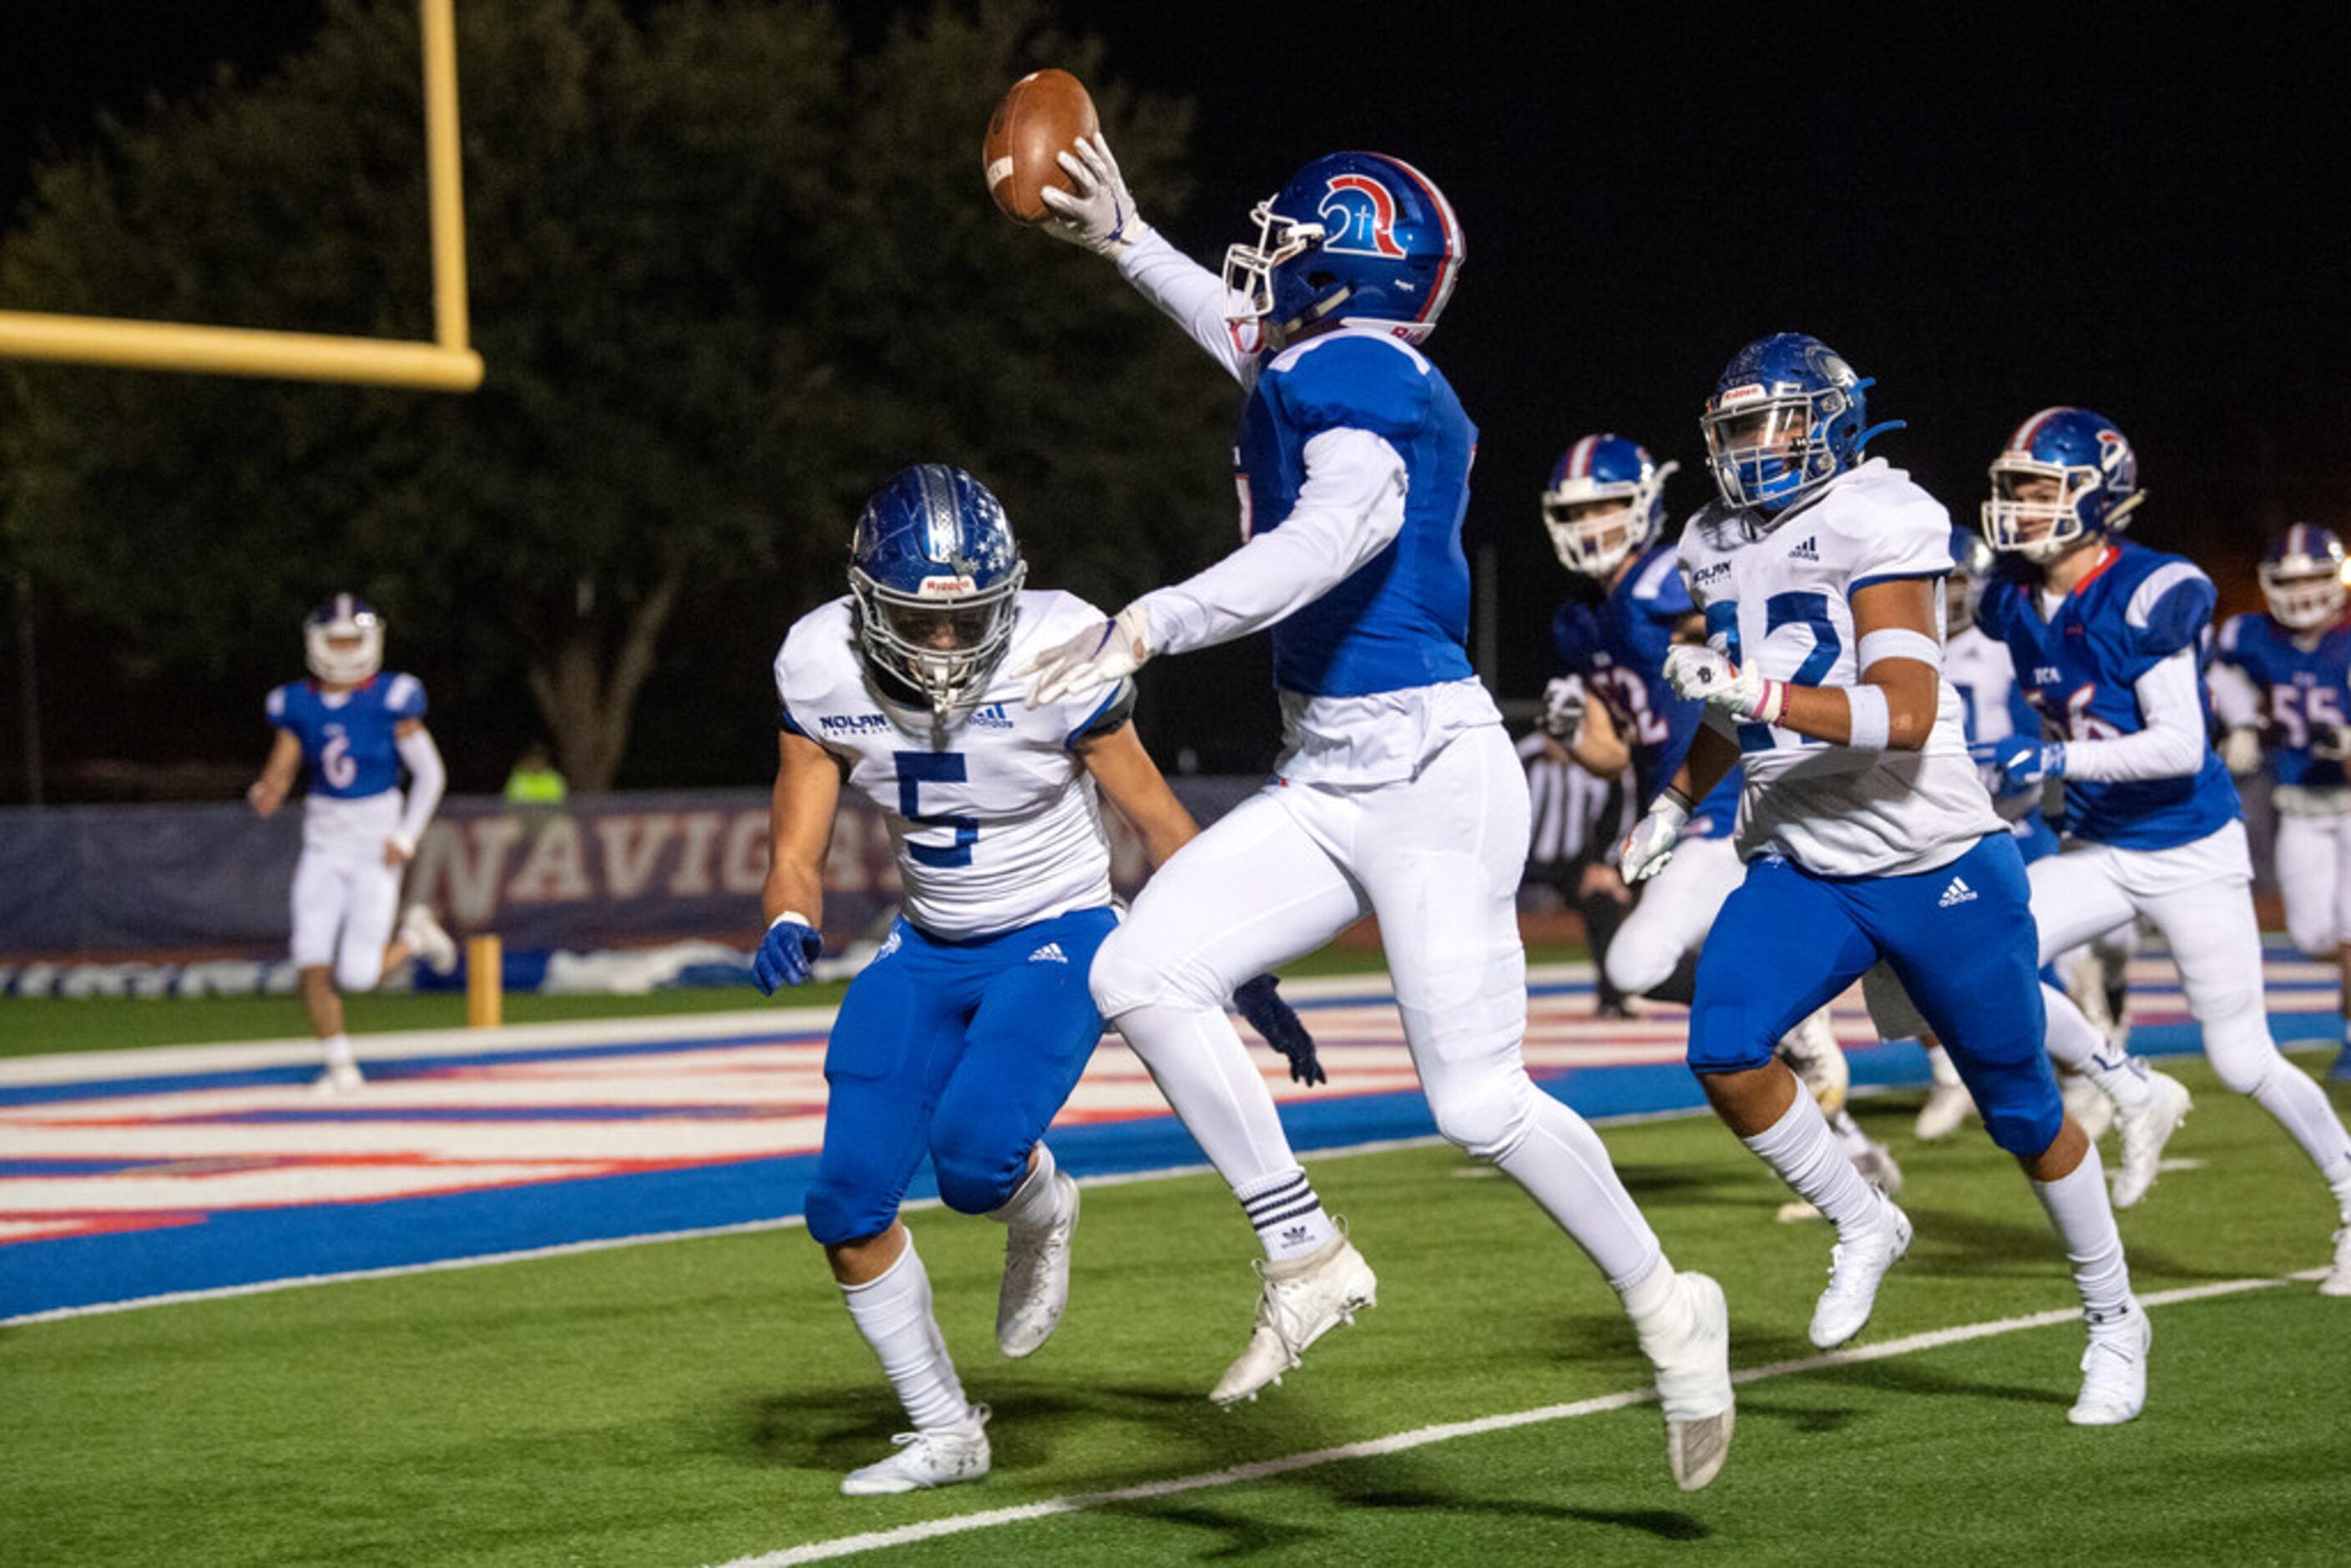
(1287, 1216)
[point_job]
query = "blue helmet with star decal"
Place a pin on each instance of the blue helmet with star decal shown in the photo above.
(1788, 415)
(935, 573)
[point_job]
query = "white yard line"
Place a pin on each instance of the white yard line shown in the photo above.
(1419, 1437)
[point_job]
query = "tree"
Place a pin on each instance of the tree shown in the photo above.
(727, 274)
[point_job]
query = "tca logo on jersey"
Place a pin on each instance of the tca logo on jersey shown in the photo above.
(1358, 217)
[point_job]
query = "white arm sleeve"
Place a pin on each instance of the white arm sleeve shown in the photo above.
(1350, 508)
(427, 779)
(2172, 746)
(2235, 698)
(1190, 293)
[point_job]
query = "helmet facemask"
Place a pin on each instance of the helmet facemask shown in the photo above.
(2042, 528)
(346, 648)
(1594, 524)
(945, 639)
(1249, 270)
(2305, 592)
(1767, 449)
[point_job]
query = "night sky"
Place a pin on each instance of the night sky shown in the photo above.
(1989, 213)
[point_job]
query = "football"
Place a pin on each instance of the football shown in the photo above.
(1044, 112)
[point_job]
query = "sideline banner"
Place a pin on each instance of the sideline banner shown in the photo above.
(600, 870)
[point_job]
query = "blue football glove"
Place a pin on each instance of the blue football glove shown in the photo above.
(785, 954)
(2023, 762)
(1274, 1018)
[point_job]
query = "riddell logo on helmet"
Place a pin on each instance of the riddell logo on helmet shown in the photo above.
(1368, 228)
(1733, 397)
(946, 586)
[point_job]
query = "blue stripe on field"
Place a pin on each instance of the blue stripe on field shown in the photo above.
(250, 1247)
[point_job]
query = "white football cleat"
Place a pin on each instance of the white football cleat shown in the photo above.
(939, 1458)
(1855, 1268)
(2114, 1372)
(1947, 1105)
(2144, 1131)
(2338, 1279)
(339, 1078)
(1813, 1054)
(433, 947)
(2087, 1103)
(1304, 1299)
(1692, 1357)
(1036, 1276)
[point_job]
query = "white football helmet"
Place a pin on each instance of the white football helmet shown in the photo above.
(344, 638)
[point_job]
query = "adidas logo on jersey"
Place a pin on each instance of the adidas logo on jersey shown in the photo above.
(1050, 953)
(1808, 550)
(1958, 893)
(992, 716)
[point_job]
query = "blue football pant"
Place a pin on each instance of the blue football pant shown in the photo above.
(960, 1051)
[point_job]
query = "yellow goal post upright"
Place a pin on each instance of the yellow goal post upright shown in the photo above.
(448, 363)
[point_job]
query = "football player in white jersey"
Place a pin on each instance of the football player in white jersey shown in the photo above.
(1871, 844)
(355, 729)
(1398, 793)
(970, 1026)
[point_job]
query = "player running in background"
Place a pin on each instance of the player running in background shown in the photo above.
(1870, 840)
(1398, 793)
(2106, 638)
(1604, 509)
(2285, 678)
(963, 1036)
(353, 728)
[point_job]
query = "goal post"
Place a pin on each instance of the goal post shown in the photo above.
(448, 363)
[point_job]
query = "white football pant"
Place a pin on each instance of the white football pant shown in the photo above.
(2200, 896)
(344, 907)
(1438, 858)
(2314, 871)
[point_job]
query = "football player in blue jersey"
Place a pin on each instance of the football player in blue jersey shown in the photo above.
(2285, 678)
(1398, 793)
(2106, 640)
(1872, 848)
(1605, 508)
(963, 1036)
(354, 727)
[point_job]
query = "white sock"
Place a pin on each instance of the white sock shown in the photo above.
(1037, 1201)
(1939, 1065)
(1565, 1167)
(1285, 1214)
(2075, 1041)
(339, 1050)
(1800, 1148)
(2302, 1108)
(894, 1312)
(2083, 1218)
(1650, 1297)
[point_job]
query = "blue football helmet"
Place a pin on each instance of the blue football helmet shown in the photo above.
(1606, 500)
(2095, 475)
(344, 640)
(2302, 577)
(1972, 567)
(935, 572)
(1358, 237)
(1786, 417)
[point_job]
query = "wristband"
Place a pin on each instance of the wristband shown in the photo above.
(1866, 711)
(792, 915)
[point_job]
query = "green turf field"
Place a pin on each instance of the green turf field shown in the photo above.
(697, 1402)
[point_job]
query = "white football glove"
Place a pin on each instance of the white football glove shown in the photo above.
(1696, 672)
(1106, 651)
(1101, 215)
(1651, 842)
(2241, 749)
(1562, 710)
